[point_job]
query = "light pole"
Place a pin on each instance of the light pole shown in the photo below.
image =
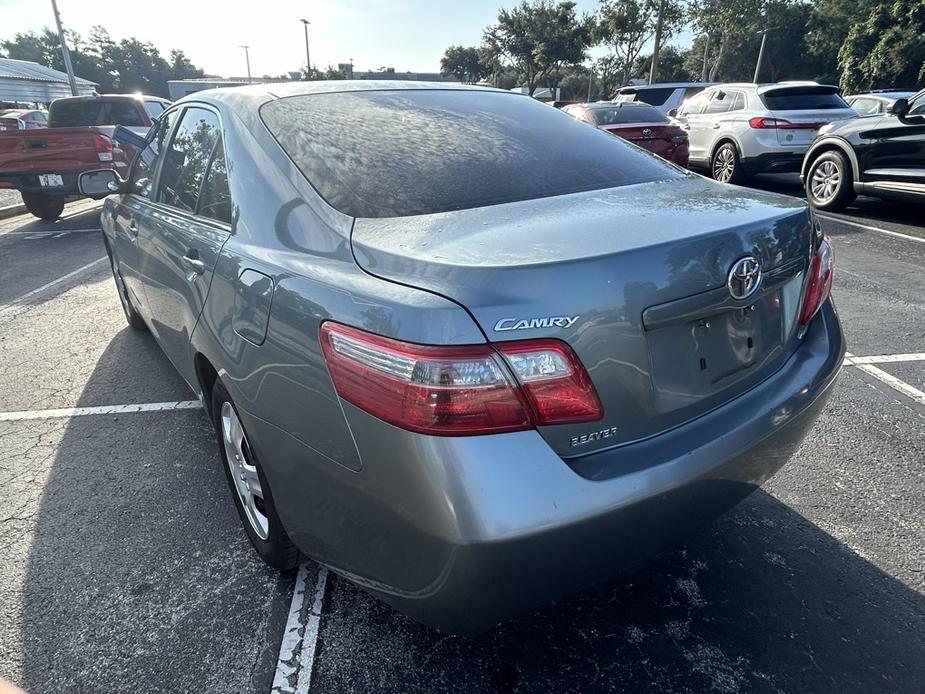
(247, 57)
(653, 70)
(308, 60)
(64, 52)
(764, 40)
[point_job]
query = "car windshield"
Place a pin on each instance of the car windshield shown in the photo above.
(627, 114)
(803, 99)
(77, 112)
(394, 153)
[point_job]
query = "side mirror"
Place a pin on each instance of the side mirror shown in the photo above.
(900, 107)
(673, 113)
(124, 136)
(100, 183)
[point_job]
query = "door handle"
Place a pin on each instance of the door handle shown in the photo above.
(192, 262)
(716, 126)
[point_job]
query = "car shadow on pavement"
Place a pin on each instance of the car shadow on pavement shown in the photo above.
(135, 574)
(764, 601)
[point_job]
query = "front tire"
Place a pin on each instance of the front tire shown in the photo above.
(44, 206)
(249, 488)
(829, 182)
(725, 165)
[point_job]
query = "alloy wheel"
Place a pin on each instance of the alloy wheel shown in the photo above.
(825, 181)
(244, 472)
(724, 165)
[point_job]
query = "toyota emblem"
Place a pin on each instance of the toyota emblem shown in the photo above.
(744, 277)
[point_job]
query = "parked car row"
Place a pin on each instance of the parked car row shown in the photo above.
(22, 119)
(43, 163)
(871, 144)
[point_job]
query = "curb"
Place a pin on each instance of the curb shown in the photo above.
(12, 210)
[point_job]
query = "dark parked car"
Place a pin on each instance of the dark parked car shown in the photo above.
(22, 119)
(881, 155)
(877, 102)
(459, 349)
(639, 123)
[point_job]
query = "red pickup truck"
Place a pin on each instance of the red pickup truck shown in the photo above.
(44, 164)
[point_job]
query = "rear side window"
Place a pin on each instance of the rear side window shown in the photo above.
(407, 152)
(642, 113)
(77, 112)
(187, 159)
(802, 99)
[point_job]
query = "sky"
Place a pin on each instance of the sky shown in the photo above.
(409, 35)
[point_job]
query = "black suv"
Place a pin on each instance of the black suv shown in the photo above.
(881, 155)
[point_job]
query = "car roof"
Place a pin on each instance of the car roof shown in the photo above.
(662, 85)
(883, 95)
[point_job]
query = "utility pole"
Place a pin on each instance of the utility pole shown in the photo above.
(706, 55)
(653, 71)
(308, 60)
(64, 52)
(590, 79)
(764, 40)
(247, 57)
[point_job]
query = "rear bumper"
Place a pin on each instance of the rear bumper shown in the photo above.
(462, 533)
(773, 162)
(29, 183)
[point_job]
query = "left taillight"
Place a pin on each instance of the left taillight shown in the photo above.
(819, 280)
(459, 390)
(103, 147)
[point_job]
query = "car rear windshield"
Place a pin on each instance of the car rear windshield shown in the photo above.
(394, 153)
(69, 114)
(654, 97)
(641, 113)
(802, 99)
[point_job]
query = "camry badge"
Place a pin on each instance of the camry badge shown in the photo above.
(534, 323)
(744, 277)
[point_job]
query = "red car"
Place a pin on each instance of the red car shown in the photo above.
(639, 123)
(22, 119)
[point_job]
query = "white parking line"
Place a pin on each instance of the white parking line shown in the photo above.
(21, 415)
(297, 651)
(872, 228)
(865, 364)
(28, 295)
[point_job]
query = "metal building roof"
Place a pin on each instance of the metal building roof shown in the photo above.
(27, 70)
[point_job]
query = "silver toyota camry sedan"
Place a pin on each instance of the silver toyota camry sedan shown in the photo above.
(461, 348)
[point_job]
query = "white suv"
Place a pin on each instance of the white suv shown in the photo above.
(742, 129)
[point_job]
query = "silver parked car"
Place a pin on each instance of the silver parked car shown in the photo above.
(459, 347)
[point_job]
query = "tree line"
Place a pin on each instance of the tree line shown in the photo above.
(124, 66)
(857, 44)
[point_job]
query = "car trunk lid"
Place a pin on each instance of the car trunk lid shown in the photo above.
(659, 138)
(633, 279)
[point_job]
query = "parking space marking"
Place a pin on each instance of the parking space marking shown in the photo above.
(865, 364)
(28, 295)
(297, 651)
(871, 228)
(62, 412)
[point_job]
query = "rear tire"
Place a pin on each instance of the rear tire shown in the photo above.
(249, 488)
(44, 206)
(830, 182)
(725, 165)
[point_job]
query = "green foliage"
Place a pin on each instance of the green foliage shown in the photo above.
(127, 66)
(627, 25)
(538, 38)
(465, 64)
(887, 49)
(671, 66)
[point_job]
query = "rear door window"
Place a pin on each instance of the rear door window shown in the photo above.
(654, 97)
(187, 159)
(215, 198)
(393, 153)
(802, 99)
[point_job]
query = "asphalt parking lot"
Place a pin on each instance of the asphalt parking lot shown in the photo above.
(125, 568)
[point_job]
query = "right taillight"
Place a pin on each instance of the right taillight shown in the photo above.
(819, 281)
(459, 390)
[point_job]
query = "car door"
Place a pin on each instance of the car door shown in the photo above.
(128, 208)
(895, 147)
(697, 125)
(182, 231)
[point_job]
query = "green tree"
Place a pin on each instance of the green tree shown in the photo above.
(539, 38)
(464, 63)
(827, 30)
(886, 49)
(627, 25)
(671, 65)
(728, 24)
